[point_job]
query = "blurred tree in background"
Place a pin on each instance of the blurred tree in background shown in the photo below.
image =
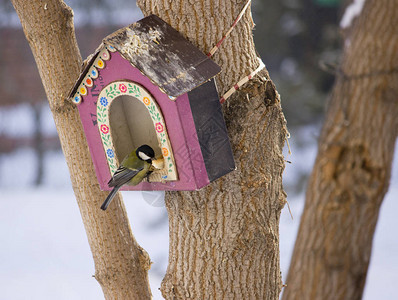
(352, 170)
(293, 37)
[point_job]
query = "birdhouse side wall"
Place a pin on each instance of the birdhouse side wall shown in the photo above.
(211, 130)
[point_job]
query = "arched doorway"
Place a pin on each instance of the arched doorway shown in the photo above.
(128, 116)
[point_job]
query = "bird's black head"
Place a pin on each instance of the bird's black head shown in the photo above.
(145, 152)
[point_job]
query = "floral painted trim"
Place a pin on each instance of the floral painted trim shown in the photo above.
(105, 98)
(92, 73)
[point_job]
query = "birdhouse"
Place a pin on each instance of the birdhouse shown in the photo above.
(147, 84)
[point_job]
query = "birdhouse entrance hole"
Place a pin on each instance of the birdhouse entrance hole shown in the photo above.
(131, 126)
(128, 117)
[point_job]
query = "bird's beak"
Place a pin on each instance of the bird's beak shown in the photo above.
(158, 163)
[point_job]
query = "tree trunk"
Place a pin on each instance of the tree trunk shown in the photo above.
(224, 239)
(38, 143)
(352, 170)
(121, 264)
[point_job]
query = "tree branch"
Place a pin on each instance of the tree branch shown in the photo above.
(121, 264)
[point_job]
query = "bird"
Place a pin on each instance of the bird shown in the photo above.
(134, 168)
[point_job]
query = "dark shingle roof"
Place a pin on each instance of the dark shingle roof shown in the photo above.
(161, 53)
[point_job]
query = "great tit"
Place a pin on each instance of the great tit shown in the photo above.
(133, 169)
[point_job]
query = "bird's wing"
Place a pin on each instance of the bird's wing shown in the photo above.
(123, 175)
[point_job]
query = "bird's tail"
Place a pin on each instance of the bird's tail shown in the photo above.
(108, 199)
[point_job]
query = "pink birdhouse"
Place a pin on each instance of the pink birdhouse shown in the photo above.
(147, 84)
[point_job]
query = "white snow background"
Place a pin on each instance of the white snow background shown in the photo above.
(44, 253)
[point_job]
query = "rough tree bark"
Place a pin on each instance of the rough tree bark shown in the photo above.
(352, 170)
(224, 239)
(121, 264)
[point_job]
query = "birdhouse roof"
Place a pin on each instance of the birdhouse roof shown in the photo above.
(162, 54)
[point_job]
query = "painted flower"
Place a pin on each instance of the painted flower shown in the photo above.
(89, 82)
(165, 151)
(100, 64)
(110, 153)
(94, 73)
(104, 101)
(122, 88)
(83, 90)
(159, 127)
(77, 98)
(110, 48)
(104, 129)
(146, 101)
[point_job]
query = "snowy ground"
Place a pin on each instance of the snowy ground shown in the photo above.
(44, 248)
